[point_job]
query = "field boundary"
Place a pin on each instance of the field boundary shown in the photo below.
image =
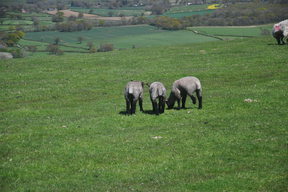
(203, 34)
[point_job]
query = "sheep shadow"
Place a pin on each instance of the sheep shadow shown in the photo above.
(149, 112)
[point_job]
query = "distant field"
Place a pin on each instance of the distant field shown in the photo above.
(17, 22)
(184, 11)
(186, 14)
(128, 11)
(122, 37)
(244, 31)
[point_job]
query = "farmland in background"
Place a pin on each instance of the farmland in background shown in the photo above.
(139, 36)
(126, 11)
(120, 37)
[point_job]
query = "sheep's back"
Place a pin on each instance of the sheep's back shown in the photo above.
(134, 88)
(157, 89)
(189, 84)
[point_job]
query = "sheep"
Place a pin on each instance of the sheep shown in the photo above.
(157, 91)
(182, 87)
(279, 31)
(133, 92)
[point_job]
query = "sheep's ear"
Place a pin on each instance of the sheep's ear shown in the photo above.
(142, 83)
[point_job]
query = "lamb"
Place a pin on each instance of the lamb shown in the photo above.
(279, 31)
(157, 91)
(133, 92)
(182, 87)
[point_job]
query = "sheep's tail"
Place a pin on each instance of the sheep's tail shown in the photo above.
(160, 92)
(130, 90)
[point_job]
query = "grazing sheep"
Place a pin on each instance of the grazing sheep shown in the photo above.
(157, 91)
(279, 31)
(133, 93)
(183, 87)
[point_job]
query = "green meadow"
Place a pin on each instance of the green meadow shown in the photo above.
(120, 37)
(63, 124)
(237, 31)
(126, 11)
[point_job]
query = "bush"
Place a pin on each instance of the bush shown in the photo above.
(31, 48)
(106, 47)
(54, 49)
(168, 23)
(18, 53)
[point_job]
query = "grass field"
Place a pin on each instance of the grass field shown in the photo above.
(245, 31)
(127, 11)
(63, 126)
(121, 37)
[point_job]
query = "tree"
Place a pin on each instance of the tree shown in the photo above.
(12, 38)
(56, 40)
(90, 45)
(81, 15)
(106, 47)
(59, 17)
(80, 39)
(54, 49)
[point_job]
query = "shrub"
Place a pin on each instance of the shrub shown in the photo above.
(18, 53)
(106, 47)
(31, 48)
(54, 49)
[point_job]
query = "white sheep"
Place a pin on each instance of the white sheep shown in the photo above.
(183, 87)
(280, 32)
(157, 91)
(132, 93)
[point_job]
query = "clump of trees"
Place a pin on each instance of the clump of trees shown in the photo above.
(106, 47)
(167, 23)
(70, 26)
(54, 49)
(58, 17)
(12, 38)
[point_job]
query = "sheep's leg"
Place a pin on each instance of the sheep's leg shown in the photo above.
(140, 104)
(282, 39)
(193, 99)
(178, 102)
(161, 104)
(133, 107)
(153, 106)
(279, 41)
(199, 97)
(156, 111)
(127, 107)
(184, 96)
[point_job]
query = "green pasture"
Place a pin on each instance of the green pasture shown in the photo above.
(187, 14)
(185, 11)
(190, 8)
(17, 22)
(249, 31)
(121, 37)
(63, 124)
(126, 11)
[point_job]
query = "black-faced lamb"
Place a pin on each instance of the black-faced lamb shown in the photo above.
(133, 92)
(279, 31)
(157, 92)
(183, 87)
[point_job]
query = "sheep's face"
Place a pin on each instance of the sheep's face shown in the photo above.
(171, 101)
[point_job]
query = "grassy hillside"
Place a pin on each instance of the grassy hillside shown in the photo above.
(63, 127)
